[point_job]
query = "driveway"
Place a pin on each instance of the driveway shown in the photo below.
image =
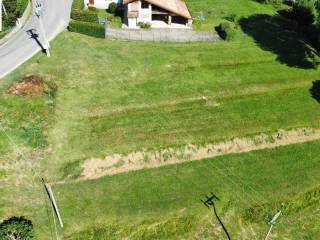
(21, 46)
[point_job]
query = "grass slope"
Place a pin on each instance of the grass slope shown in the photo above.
(164, 203)
(118, 97)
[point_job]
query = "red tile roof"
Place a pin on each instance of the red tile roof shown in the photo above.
(178, 7)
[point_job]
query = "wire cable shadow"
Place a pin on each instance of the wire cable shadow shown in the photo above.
(210, 202)
(34, 35)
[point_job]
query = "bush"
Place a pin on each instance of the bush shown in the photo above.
(12, 14)
(16, 228)
(304, 12)
(90, 29)
(231, 18)
(77, 5)
(85, 16)
(21, 6)
(112, 8)
(226, 31)
(144, 25)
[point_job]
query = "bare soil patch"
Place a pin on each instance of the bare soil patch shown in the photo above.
(32, 85)
(117, 163)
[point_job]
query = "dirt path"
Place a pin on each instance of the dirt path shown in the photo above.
(114, 164)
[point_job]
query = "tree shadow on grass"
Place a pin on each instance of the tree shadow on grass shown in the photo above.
(315, 90)
(280, 36)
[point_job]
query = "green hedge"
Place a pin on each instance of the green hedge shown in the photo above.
(90, 29)
(85, 16)
(77, 5)
(21, 6)
(226, 31)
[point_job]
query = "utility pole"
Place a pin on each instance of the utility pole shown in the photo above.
(272, 222)
(210, 202)
(53, 201)
(38, 11)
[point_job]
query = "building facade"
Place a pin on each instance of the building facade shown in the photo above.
(158, 13)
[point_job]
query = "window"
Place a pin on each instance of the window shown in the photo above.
(144, 4)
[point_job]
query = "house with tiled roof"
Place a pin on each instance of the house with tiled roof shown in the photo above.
(157, 13)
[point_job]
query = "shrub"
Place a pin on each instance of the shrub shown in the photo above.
(112, 8)
(85, 16)
(21, 6)
(15, 228)
(231, 18)
(226, 31)
(90, 29)
(77, 5)
(144, 25)
(304, 12)
(34, 135)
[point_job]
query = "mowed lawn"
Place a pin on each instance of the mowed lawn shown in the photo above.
(120, 97)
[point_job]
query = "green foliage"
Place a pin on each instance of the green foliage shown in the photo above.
(15, 9)
(231, 18)
(90, 29)
(77, 5)
(226, 31)
(72, 170)
(288, 206)
(144, 25)
(21, 6)
(112, 8)
(114, 21)
(13, 14)
(34, 135)
(304, 12)
(16, 228)
(85, 16)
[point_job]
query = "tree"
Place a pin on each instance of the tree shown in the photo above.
(304, 12)
(112, 8)
(16, 228)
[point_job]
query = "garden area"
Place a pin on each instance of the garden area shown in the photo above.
(90, 21)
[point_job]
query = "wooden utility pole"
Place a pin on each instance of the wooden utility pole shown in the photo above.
(272, 222)
(53, 202)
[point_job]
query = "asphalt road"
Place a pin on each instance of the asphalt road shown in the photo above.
(22, 46)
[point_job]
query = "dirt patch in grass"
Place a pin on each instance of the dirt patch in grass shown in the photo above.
(32, 85)
(117, 163)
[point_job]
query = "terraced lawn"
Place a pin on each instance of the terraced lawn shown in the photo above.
(118, 97)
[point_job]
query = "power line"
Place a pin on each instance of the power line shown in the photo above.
(34, 173)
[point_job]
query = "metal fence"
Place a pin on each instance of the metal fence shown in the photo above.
(161, 35)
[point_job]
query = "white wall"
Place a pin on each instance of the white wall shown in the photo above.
(145, 14)
(102, 4)
(132, 22)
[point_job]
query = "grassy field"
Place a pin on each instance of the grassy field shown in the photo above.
(120, 97)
